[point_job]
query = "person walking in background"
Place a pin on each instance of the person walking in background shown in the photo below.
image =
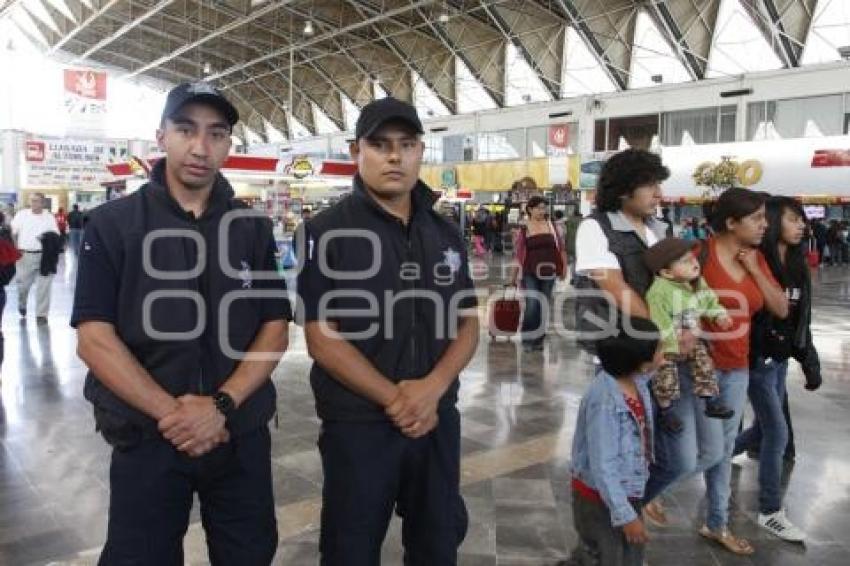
(480, 226)
(62, 224)
(9, 255)
(540, 258)
(833, 243)
(687, 232)
(28, 227)
(75, 228)
(819, 231)
(570, 231)
(737, 271)
(774, 342)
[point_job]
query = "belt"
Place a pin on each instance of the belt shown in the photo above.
(31, 251)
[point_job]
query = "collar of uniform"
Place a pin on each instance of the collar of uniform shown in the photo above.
(220, 195)
(422, 198)
(620, 223)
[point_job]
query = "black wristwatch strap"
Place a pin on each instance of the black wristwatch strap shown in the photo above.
(224, 403)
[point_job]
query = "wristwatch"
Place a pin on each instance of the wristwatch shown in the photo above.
(224, 403)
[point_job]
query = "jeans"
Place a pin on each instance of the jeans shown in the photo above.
(753, 442)
(733, 393)
(535, 318)
(75, 238)
(600, 543)
(766, 392)
(696, 448)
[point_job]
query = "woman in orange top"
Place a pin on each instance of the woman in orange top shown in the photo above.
(739, 274)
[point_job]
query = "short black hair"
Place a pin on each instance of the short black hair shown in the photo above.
(534, 202)
(559, 214)
(734, 203)
(623, 173)
(634, 344)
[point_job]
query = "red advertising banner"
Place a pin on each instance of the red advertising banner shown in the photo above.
(85, 84)
(34, 151)
(559, 136)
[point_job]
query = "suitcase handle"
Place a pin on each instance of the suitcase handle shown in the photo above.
(505, 291)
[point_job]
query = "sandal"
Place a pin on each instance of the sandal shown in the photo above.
(724, 537)
(654, 513)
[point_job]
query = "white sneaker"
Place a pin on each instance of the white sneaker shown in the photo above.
(780, 526)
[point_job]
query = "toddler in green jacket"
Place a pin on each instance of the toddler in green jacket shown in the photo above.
(678, 299)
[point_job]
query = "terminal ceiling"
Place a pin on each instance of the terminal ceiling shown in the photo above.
(277, 66)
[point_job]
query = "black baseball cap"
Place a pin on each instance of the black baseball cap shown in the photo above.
(379, 112)
(199, 91)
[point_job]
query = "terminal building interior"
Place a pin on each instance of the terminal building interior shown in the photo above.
(518, 99)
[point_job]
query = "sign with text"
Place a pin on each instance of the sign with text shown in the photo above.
(85, 101)
(72, 164)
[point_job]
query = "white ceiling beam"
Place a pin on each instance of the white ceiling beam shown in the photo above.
(323, 37)
(58, 45)
(124, 29)
(268, 8)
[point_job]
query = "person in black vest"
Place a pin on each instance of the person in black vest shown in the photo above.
(390, 321)
(611, 241)
(75, 228)
(179, 366)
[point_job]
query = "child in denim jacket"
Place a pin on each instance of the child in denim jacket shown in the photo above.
(612, 448)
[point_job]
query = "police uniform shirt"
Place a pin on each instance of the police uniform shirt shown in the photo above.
(395, 291)
(114, 286)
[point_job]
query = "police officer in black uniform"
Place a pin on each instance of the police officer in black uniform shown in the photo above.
(390, 320)
(181, 319)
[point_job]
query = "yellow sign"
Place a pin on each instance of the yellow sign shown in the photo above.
(300, 167)
(490, 176)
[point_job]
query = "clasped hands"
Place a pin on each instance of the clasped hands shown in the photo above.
(195, 426)
(414, 408)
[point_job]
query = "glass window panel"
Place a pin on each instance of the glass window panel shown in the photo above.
(453, 148)
(599, 136)
(632, 131)
(728, 126)
(756, 121)
(505, 144)
(538, 139)
(815, 116)
(689, 127)
(433, 149)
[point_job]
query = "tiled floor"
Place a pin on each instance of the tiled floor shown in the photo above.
(518, 416)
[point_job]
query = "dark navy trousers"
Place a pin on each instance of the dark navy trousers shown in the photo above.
(151, 492)
(371, 469)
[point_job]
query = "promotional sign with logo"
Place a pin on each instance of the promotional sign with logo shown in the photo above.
(559, 136)
(300, 167)
(799, 167)
(448, 178)
(72, 164)
(85, 101)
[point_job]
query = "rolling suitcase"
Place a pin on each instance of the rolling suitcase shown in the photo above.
(505, 315)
